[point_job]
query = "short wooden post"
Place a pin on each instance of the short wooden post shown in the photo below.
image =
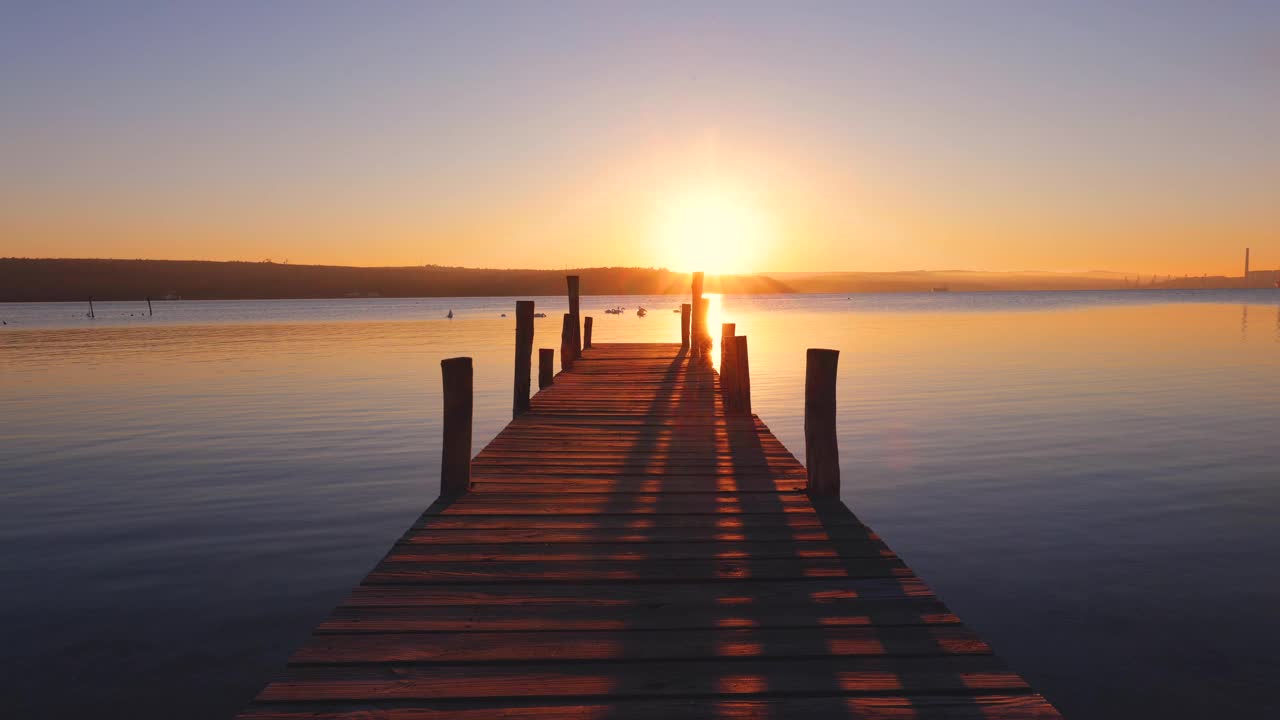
(524, 355)
(741, 375)
(546, 367)
(821, 455)
(455, 449)
(574, 310)
(566, 343)
(685, 310)
(727, 330)
(586, 333)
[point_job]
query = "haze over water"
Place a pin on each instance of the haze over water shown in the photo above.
(186, 496)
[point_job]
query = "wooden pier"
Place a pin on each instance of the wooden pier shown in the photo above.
(628, 548)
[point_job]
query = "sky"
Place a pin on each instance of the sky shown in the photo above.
(734, 137)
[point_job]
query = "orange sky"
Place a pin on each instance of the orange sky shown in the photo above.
(874, 139)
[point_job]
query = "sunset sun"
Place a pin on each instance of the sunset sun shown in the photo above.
(714, 228)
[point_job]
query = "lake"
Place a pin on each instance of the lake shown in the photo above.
(1091, 480)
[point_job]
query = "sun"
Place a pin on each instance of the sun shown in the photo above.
(712, 227)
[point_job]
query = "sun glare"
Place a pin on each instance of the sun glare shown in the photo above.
(713, 229)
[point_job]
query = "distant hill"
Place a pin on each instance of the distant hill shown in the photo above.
(50, 280)
(954, 280)
(37, 280)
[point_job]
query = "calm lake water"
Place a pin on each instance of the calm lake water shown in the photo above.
(1091, 480)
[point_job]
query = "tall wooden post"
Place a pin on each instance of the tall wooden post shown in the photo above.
(729, 375)
(728, 384)
(703, 335)
(685, 310)
(574, 310)
(566, 343)
(546, 367)
(821, 456)
(455, 449)
(697, 322)
(586, 333)
(741, 375)
(524, 355)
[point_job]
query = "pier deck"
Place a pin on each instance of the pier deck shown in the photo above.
(630, 551)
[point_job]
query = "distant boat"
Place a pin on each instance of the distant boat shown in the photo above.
(944, 288)
(450, 315)
(642, 312)
(615, 310)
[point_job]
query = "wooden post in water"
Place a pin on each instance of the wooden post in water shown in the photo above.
(455, 449)
(91, 315)
(149, 311)
(524, 356)
(821, 456)
(546, 367)
(566, 343)
(586, 333)
(574, 310)
(741, 375)
(685, 310)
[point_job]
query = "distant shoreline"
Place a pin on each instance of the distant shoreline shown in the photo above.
(75, 280)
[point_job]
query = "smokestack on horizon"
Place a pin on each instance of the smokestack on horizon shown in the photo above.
(1246, 263)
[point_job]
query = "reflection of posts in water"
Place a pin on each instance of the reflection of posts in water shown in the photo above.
(524, 355)
(1244, 322)
(821, 454)
(546, 367)
(455, 448)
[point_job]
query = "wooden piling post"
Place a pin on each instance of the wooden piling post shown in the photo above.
(566, 343)
(546, 367)
(524, 356)
(455, 449)
(741, 375)
(586, 333)
(703, 336)
(149, 311)
(821, 455)
(574, 310)
(697, 322)
(729, 376)
(685, 311)
(91, 315)
(727, 330)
